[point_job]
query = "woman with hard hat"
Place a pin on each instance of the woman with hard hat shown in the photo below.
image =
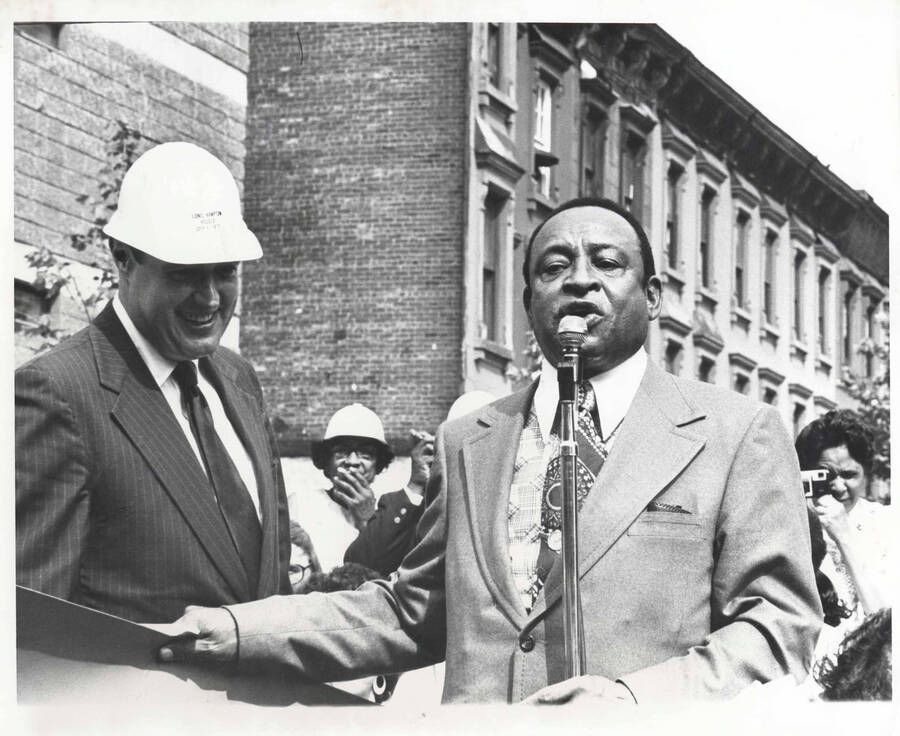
(352, 452)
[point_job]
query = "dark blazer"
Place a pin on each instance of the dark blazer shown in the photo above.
(685, 605)
(389, 535)
(113, 510)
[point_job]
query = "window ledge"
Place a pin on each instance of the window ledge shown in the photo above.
(493, 353)
(824, 362)
(799, 349)
(740, 317)
(770, 331)
(675, 276)
(538, 202)
(708, 297)
(490, 96)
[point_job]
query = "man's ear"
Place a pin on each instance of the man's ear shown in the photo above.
(121, 256)
(653, 291)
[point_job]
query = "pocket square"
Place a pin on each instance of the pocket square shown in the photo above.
(671, 507)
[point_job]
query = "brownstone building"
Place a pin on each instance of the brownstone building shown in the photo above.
(395, 171)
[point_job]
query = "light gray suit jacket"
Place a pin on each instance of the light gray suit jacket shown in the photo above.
(696, 604)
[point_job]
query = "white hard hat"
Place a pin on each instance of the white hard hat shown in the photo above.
(353, 420)
(180, 204)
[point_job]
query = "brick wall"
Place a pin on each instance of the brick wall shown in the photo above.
(67, 100)
(355, 187)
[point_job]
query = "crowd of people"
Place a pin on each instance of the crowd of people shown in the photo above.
(148, 480)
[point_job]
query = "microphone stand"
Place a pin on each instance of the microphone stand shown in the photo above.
(571, 335)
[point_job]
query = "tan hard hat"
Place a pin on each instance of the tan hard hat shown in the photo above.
(353, 420)
(180, 204)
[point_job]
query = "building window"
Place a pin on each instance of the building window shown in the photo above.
(822, 322)
(798, 418)
(673, 357)
(870, 338)
(742, 232)
(846, 332)
(741, 383)
(593, 143)
(492, 266)
(706, 371)
(493, 54)
(797, 312)
(769, 260)
(769, 396)
(673, 207)
(707, 204)
(631, 180)
(543, 131)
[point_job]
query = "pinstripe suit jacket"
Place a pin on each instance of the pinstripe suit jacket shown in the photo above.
(113, 510)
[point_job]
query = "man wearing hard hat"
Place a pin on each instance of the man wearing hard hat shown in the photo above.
(342, 519)
(147, 477)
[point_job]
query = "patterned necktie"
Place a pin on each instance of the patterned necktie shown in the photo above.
(591, 454)
(231, 493)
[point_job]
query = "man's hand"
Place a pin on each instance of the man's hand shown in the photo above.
(421, 457)
(353, 490)
(215, 640)
(584, 689)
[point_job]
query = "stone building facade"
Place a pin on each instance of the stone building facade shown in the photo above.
(395, 172)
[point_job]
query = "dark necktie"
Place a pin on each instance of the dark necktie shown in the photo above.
(231, 493)
(591, 454)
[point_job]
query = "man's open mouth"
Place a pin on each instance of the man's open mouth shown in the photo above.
(199, 319)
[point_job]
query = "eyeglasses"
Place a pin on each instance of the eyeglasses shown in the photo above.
(365, 454)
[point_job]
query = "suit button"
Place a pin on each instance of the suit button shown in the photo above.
(396, 519)
(402, 511)
(526, 643)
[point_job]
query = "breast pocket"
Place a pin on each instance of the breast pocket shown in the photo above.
(668, 525)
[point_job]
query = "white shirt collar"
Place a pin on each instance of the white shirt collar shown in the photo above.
(614, 390)
(160, 368)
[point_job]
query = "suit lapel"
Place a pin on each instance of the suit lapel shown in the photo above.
(245, 416)
(489, 457)
(633, 474)
(144, 415)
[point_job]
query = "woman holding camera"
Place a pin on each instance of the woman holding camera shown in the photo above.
(857, 531)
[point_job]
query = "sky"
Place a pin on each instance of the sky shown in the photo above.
(826, 75)
(825, 71)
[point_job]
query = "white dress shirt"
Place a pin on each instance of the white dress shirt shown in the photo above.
(161, 369)
(614, 391)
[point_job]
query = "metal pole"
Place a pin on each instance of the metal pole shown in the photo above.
(573, 630)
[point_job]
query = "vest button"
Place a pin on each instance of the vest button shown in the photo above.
(526, 643)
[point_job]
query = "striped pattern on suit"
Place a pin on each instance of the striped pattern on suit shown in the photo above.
(112, 507)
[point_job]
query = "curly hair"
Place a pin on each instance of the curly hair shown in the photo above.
(862, 668)
(836, 428)
(348, 576)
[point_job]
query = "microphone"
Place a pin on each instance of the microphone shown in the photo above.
(571, 332)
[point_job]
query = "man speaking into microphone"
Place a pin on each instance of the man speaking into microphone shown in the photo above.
(694, 561)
